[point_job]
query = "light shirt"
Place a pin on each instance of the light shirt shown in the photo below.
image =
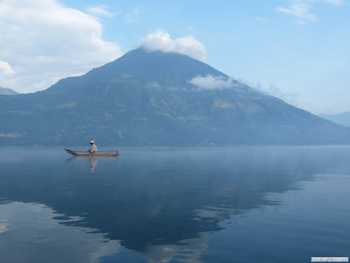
(93, 148)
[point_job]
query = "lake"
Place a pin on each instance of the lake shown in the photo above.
(239, 204)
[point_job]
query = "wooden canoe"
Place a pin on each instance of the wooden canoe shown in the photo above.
(96, 154)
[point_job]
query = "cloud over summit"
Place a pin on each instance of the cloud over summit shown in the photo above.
(163, 41)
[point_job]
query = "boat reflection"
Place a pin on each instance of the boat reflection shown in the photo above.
(91, 160)
(93, 164)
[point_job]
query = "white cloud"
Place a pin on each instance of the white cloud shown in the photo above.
(129, 16)
(303, 10)
(210, 82)
(300, 10)
(5, 69)
(45, 41)
(99, 10)
(187, 45)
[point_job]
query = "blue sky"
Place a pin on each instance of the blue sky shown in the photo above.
(295, 49)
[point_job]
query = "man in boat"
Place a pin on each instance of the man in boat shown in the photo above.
(93, 147)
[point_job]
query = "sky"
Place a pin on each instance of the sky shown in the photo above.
(298, 50)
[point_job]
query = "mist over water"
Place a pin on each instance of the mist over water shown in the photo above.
(242, 204)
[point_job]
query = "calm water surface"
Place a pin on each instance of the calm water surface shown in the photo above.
(244, 204)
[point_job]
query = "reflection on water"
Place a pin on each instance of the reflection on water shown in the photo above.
(93, 164)
(35, 236)
(175, 205)
(92, 161)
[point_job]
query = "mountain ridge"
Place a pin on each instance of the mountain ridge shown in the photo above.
(340, 118)
(7, 91)
(148, 98)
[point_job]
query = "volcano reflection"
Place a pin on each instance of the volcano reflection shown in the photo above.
(159, 202)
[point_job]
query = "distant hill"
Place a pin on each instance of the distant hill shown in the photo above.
(4, 91)
(340, 118)
(156, 98)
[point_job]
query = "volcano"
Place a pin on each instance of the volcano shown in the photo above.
(157, 98)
